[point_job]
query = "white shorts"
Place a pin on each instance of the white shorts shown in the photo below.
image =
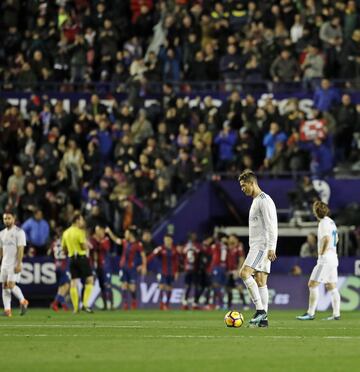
(7, 275)
(258, 260)
(324, 273)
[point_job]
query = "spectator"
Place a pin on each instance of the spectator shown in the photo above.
(346, 117)
(313, 65)
(17, 178)
(226, 141)
(272, 138)
(326, 96)
(350, 67)
(37, 231)
(285, 68)
(309, 248)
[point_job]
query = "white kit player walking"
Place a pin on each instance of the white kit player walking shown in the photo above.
(263, 234)
(325, 270)
(12, 243)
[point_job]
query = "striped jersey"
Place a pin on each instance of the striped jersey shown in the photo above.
(263, 224)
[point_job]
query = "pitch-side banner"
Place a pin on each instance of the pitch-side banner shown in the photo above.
(38, 282)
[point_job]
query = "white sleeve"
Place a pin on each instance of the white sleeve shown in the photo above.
(324, 229)
(268, 211)
(21, 238)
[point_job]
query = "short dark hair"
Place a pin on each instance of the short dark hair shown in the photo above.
(247, 176)
(9, 211)
(76, 216)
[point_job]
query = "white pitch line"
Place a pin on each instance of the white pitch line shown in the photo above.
(188, 336)
(90, 326)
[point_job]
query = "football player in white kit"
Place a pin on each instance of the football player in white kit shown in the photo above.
(325, 270)
(12, 243)
(263, 234)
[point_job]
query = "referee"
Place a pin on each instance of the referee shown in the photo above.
(74, 244)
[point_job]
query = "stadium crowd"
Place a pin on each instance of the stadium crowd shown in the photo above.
(114, 41)
(124, 164)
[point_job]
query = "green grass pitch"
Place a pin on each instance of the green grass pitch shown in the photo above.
(146, 340)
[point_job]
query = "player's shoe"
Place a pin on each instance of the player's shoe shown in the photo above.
(133, 305)
(306, 316)
(125, 307)
(7, 313)
(246, 307)
(332, 317)
(258, 317)
(184, 307)
(65, 307)
(88, 310)
(162, 305)
(207, 307)
(54, 305)
(24, 304)
(263, 323)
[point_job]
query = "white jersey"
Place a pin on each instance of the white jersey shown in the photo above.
(10, 240)
(328, 228)
(263, 225)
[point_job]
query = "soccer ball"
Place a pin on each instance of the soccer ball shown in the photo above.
(234, 319)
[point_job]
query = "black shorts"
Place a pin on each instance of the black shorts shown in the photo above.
(190, 278)
(204, 279)
(80, 267)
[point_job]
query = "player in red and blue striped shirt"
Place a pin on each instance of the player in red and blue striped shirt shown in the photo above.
(169, 257)
(132, 251)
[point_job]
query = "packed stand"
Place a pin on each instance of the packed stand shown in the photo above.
(126, 44)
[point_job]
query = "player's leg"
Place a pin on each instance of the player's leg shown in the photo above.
(101, 278)
(13, 278)
(55, 303)
(162, 292)
(169, 291)
(252, 260)
(61, 295)
(125, 279)
(188, 280)
(240, 289)
(261, 280)
(86, 273)
(250, 283)
(6, 293)
(74, 295)
(313, 300)
(132, 287)
(75, 275)
(230, 285)
(335, 300)
(125, 295)
(108, 290)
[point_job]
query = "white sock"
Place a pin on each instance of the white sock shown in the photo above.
(6, 297)
(264, 294)
(16, 291)
(253, 289)
(313, 300)
(335, 301)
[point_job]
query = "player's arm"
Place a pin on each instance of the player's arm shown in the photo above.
(63, 245)
(270, 224)
(113, 237)
(143, 262)
(153, 254)
(19, 258)
(324, 245)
